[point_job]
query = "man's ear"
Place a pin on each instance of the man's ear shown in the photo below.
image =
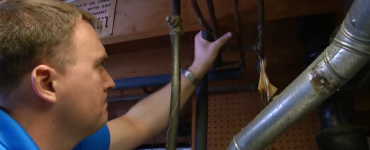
(43, 80)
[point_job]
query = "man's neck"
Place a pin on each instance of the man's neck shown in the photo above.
(47, 133)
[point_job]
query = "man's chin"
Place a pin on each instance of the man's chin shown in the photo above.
(103, 120)
(105, 117)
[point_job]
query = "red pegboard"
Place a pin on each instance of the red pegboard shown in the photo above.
(228, 113)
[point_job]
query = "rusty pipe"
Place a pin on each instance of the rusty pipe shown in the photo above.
(341, 60)
(176, 30)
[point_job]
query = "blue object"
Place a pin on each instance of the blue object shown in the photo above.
(14, 137)
(159, 80)
(98, 141)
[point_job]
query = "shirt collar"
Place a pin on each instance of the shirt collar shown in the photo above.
(13, 136)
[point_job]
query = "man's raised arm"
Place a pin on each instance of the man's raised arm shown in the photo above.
(148, 117)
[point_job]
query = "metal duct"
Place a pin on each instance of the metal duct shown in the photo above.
(341, 60)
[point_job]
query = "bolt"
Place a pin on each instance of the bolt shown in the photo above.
(353, 22)
(322, 81)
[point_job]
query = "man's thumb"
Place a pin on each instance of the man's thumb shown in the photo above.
(222, 40)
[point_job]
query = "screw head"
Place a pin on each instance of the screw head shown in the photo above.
(353, 22)
(322, 81)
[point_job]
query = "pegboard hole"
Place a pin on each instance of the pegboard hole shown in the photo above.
(245, 107)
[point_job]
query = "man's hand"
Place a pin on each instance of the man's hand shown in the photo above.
(150, 116)
(206, 52)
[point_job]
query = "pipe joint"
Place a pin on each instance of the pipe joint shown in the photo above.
(351, 42)
(174, 23)
(347, 53)
(356, 23)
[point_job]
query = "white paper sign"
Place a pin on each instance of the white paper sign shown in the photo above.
(104, 10)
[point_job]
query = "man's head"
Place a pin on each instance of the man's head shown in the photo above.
(51, 63)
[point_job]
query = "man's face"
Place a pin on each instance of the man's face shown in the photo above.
(82, 92)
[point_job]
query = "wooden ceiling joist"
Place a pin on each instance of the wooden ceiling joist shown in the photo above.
(138, 19)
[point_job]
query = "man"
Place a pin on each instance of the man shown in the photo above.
(53, 84)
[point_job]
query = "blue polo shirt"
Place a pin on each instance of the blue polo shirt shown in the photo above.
(14, 137)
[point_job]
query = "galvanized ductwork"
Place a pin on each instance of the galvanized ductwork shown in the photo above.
(341, 60)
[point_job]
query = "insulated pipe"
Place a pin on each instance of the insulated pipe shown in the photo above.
(341, 60)
(160, 80)
(211, 90)
(176, 30)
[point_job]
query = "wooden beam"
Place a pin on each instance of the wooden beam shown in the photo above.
(138, 19)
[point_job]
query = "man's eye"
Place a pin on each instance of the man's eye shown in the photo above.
(103, 63)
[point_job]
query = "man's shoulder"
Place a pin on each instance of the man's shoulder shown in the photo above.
(11, 133)
(2, 147)
(98, 141)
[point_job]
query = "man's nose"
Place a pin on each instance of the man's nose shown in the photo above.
(109, 83)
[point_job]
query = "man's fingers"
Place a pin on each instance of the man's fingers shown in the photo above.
(222, 40)
(199, 37)
(199, 34)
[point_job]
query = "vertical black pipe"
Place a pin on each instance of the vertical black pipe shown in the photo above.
(176, 8)
(238, 29)
(261, 36)
(212, 15)
(201, 123)
(200, 17)
(201, 93)
(336, 111)
(176, 30)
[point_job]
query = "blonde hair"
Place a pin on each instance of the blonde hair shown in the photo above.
(33, 31)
